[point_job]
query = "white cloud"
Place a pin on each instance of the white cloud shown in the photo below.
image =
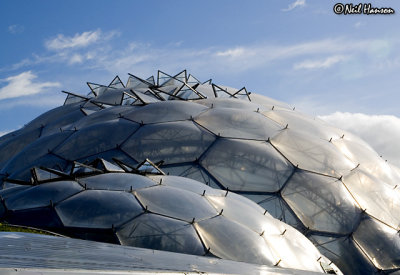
(23, 85)
(298, 3)
(382, 132)
(319, 64)
(79, 40)
(14, 29)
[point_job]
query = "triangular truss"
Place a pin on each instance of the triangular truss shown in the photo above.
(224, 93)
(73, 98)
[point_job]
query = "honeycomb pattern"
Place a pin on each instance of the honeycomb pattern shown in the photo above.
(159, 212)
(327, 183)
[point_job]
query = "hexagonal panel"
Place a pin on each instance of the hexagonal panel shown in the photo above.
(98, 209)
(161, 233)
(321, 203)
(172, 142)
(242, 165)
(237, 123)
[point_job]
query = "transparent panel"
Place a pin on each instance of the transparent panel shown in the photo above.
(321, 203)
(112, 97)
(98, 209)
(172, 142)
(368, 159)
(268, 102)
(380, 242)
(117, 181)
(9, 191)
(116, 83)
(237, 123)
(312, 153)
(247, 165)
(28, 157)
(278, 209)
(110, 155)
(71, 98)
(229, 103)
(175, 203)
(377, 198)
(136, 82)
(246, 212)
(52, 115)
(206, 90)
(161, 233)
(344, 253)
(294, 250)
(48, 161)
(165, 111)
(13, 146)
(231, 240)
(187, 184)
(57, 124)
(42, 195)
(302, 122)
(96, 138)
(193, 172)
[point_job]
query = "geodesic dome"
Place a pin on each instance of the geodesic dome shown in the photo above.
(159, 212)
(327, 183)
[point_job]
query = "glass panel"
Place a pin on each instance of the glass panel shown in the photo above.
(345, 254)
(321, 203)
(28, 157)
(246, 212)
(206, 90)
(312, 153)
(117, 181)
(102, 116)
(172, 142)
(12, 147)
(57, 124)
(161, 233)
(380, 242)
(41, 195)
(302, 122)
(294, 250)
(229, 103)
(98, 209)
(175, 203)
(247, 165)
(369, 160)
(116, 83)
(9, 191)
(268, 102)
(112, 97)
(237, 123)
(52, 115)
(187, 184)
(165, 111)
(193, 172)
(231, 240)
(279, 210)
(377, 198)
(97, 138)
(110, 155)
(48, 161)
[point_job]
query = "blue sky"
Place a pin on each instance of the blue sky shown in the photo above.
(342, 67)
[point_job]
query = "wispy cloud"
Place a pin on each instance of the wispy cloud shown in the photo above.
(14, 29)
(382, 132)
(320, 63)
(23, 84)
(79, 40)
(297, 3)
